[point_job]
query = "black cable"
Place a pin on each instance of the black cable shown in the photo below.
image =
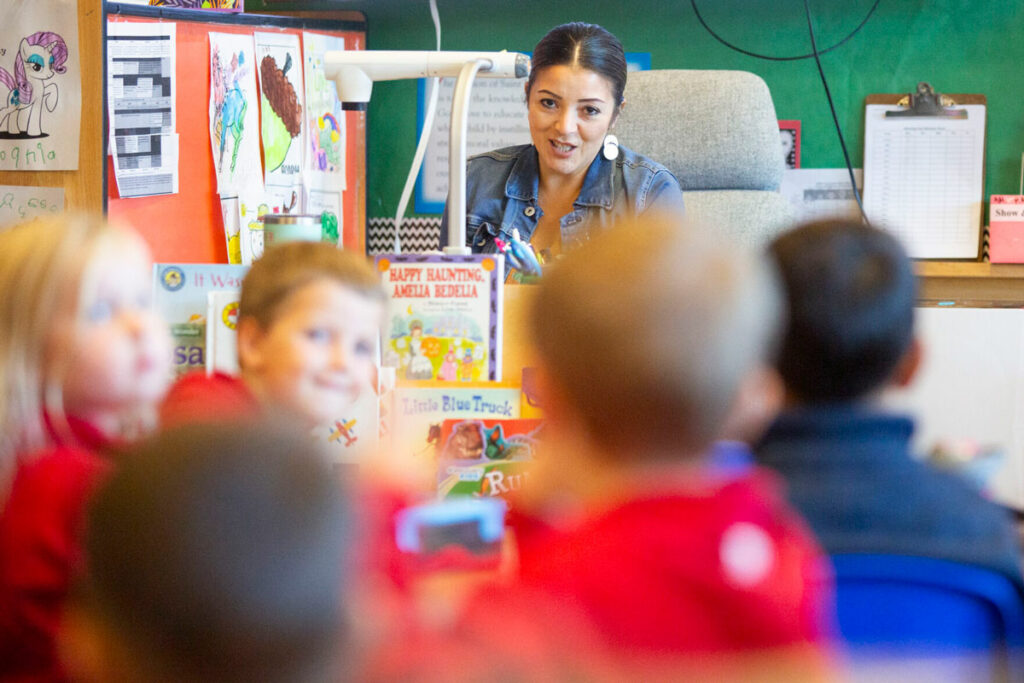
(832, 108)
(729, 45)
(816, 54)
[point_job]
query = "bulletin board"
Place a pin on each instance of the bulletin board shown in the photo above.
(83, 190)
(187, 227)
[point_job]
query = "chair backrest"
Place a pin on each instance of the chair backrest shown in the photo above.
(718, 133)
(915, 606)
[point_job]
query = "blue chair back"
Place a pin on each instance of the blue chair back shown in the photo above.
(916, 606)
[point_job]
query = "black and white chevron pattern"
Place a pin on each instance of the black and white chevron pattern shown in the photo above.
(418, 234)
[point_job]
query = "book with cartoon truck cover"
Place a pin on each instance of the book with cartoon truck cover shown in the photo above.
(418, 409)
(444, 316)
(485, 458)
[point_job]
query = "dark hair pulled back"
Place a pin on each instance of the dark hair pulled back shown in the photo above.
(586, 45)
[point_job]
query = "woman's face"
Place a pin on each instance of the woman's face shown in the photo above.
(571, 110)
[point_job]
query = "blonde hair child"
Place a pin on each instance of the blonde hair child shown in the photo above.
(83, 358)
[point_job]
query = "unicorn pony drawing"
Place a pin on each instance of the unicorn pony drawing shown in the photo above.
(40, 56)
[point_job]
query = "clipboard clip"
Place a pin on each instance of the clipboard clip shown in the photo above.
(927, 102)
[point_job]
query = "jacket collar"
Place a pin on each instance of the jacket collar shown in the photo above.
(598, 188)
(842, 423)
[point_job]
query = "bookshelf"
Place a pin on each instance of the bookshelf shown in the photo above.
(972, 284)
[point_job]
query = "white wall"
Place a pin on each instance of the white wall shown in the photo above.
(971, 385)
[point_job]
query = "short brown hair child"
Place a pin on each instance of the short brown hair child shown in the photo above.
(650, 331)
(645, 336)
(288, 267)
(308, 332)
(217, 552)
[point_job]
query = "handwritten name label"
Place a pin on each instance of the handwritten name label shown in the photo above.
(30, 155)
(19, 203)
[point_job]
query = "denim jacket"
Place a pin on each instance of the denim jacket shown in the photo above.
(502, 189)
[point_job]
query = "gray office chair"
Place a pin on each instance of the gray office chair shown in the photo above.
(718, 133)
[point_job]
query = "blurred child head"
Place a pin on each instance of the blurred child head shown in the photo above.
(850, 292)
(214, 553)
(80, 337)
(646, 333)
(308, 328)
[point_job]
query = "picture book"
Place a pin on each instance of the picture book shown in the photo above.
(418, 410)
(180, 295)
(189, 342)
(221, 331)
(444, 317)
(485, 458)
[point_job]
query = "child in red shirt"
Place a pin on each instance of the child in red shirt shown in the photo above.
(82, 358)
(645, 338)
(308, 327)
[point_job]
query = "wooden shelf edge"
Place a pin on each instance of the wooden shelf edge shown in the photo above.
(969, 269)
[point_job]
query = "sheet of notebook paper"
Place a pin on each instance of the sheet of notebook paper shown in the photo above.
(923, 179)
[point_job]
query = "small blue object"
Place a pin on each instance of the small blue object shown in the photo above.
(519, 254)
(489, 513)
(947, 303)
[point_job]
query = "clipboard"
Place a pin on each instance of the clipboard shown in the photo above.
(924, 170)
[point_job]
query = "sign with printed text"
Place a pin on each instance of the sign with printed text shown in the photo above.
(19, 203)
(1006, 228)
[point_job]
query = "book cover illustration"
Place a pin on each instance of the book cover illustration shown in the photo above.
(222, 331)
(180, 295)
(418, 410)
(444, 316)
(485, 458)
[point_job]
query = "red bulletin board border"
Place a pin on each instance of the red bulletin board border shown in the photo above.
(187, 227)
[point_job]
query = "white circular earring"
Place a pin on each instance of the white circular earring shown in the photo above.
(611, 147)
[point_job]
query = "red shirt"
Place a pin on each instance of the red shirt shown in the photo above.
(720, 566)
(40, 550)
(198, 396)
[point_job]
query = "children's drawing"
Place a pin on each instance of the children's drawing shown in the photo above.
(325, 148)
(31, 87)
(281, 117)
(283, 122)
(231, 105)
(251, 207)
(326, 142)
(233, 115)
(40, 85)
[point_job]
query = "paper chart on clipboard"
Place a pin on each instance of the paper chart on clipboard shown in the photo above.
(923, 178)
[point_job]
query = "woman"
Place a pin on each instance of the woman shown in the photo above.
(574, 178)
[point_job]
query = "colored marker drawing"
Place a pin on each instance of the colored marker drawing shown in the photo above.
(325, 142)
(282, 111)
(31, 87)
(323, 116)
(230, 103)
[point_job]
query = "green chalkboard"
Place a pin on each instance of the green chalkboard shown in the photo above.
(957, 45)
